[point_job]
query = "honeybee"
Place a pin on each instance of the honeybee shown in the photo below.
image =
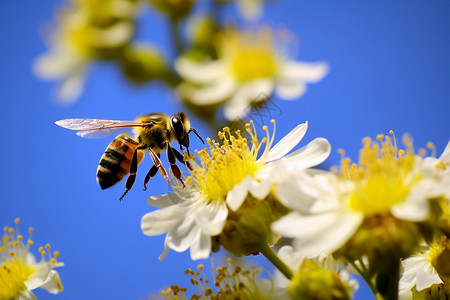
(153, 133)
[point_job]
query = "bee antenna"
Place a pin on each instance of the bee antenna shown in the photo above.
(195, 131)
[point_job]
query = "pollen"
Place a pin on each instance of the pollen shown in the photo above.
(15, 270)
(384, 175)
(224, 165)
(228, 283)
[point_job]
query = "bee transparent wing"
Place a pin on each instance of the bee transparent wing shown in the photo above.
(96, 128)
(100, 133)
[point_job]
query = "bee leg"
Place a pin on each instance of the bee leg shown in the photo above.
(133, 169)
(150, 174)
(180, 158)
(173, 164)
(158, 164)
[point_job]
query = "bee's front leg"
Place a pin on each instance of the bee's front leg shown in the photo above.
(180, 158)
(173, 164)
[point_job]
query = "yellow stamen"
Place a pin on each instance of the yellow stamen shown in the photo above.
(223, 166)
(383, 176)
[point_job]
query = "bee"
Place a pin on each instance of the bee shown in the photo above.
(153, 133)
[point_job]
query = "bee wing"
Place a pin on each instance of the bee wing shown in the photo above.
(96, 128)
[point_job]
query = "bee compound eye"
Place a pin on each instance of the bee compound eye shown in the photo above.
(178, 127)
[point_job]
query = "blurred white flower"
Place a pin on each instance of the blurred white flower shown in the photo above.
(221, 182)
(418, 272)
(19, 271)
(251, 66)
(328, 209)
(86, 30)
(251, 10)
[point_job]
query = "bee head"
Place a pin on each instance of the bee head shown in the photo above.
(181, 127)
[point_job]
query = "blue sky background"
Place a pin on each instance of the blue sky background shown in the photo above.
(389, 69)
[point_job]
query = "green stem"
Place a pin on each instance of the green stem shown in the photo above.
(275, 260)
(387, 280)
(364, 275)
(176, 37)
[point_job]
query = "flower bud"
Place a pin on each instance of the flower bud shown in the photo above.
(314, 282)
(143, 63)
(382, 237)
(249, 226)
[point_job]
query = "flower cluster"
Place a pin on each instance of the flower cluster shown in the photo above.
(386, 217)
(244, 194)
(20, 273)
(229, 199)
(216, 64)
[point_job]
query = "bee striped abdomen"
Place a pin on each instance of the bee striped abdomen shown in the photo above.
(115, 162)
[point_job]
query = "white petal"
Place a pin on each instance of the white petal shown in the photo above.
(237, 107)
(289, 193)
(237, 195)
(27, 295)
(318, 233)
(39, 277)
(113, 36)
(332, 238)
(71, 88)
(287, 143)
(56, 65)
(309, 156)
(162, 220)
(201, 247)
(290, 90)
(250, 9)
(211, 218)
(199, 73)
(295, 225)
(415, 208)
(254, 91)
(261, 189)
(290, 257)
(53, 283)
(164, 200)
(302, 71)
(213, 93)
(426, 279)
(445, 156)
(182, 236)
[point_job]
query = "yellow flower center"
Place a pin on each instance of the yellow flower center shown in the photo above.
(14, 269)
(13, 275)
(383, 177)
(250, 56)
(224, 166)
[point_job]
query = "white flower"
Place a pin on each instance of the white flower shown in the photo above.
(220, 182)
(418, 272)
(328, 208)
(19, 271)
(249, 69)
(78, 41)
